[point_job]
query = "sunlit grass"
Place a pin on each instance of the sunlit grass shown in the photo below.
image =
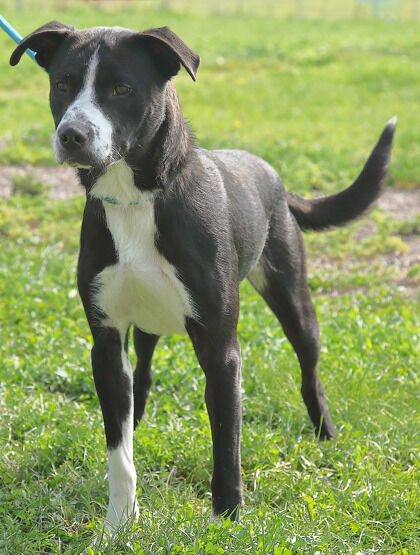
(312, 99)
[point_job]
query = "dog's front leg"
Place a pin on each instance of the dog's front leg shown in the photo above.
(220, 358)
(114, 385)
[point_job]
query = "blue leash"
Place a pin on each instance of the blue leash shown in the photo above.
(5, 25)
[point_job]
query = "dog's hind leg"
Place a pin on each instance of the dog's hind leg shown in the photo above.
(144, 344)
(280, 277)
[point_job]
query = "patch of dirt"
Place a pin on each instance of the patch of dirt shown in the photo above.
(402, 204)
(398, 203)
(398, 264)
(64, 181)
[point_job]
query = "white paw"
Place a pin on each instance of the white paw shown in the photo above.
(119, 513)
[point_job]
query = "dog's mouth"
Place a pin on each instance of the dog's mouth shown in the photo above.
(82, 158)
(84, 162)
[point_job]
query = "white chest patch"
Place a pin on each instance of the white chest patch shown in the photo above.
(142, 288)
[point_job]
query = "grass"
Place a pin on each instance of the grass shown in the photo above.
(311, 98)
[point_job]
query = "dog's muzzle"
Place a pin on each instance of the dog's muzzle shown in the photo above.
(73, 144)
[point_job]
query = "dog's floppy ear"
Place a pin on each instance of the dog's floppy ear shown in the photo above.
(169, 51)
(44, 41)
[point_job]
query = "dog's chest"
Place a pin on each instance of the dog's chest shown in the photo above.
(142, 288)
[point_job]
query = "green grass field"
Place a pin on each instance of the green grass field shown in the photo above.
(311, 97)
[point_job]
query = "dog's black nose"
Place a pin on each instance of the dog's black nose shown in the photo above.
(73, 136)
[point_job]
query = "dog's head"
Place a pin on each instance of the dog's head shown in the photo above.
(107, 86)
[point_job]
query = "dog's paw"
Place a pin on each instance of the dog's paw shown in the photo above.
(327, 431)
(107, 535)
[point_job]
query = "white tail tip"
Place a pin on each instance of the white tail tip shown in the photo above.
(393, 121)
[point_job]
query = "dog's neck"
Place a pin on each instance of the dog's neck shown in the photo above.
(160, 155)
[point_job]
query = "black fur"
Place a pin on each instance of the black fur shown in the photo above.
(220, 217)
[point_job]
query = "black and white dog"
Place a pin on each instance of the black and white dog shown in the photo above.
(170, 230)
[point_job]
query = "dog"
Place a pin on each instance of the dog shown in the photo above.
(170, 230)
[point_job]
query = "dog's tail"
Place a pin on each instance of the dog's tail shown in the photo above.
(336, 210)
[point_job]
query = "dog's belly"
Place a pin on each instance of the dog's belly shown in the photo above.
(150, 296)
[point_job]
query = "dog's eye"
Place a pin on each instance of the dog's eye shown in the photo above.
(62, 86)
(120, 90)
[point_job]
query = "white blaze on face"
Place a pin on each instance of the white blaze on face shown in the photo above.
(85, 108)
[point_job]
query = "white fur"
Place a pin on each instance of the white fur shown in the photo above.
(256, 276)
(258, 279)
(142, 288)
(393, 121)
(85, 108)
(118, 183)
(121, 472)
